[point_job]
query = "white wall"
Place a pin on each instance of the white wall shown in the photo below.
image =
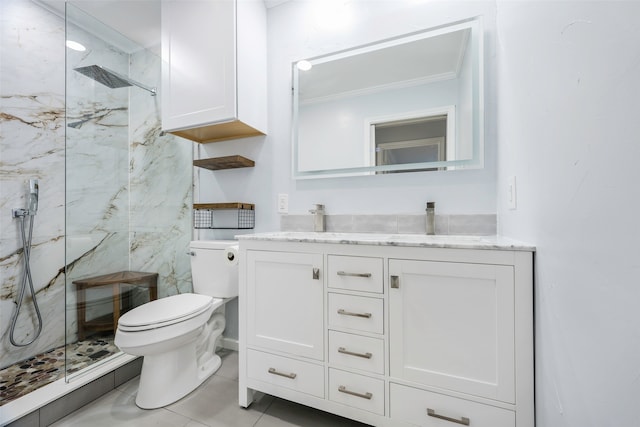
(568, 105)
(292, 35)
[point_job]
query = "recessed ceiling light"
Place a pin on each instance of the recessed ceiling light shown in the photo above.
(75, 46)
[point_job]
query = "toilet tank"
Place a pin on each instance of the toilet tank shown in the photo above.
(212, 272)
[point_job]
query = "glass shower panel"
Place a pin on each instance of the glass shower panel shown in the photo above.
(128, 186)
(97, 193)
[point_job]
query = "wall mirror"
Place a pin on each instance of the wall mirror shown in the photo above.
(412, 103)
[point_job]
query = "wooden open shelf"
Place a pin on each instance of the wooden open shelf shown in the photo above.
(216, 132)
(227, 162)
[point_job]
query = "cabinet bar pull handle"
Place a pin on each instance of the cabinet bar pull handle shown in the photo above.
(348, 313)
(343, 389)
(344, 273)
(274, 372)
(351, 353)
(316, 274)
(463, 420)
(395, 282)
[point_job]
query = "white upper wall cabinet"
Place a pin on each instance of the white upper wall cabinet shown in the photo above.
(214, 77)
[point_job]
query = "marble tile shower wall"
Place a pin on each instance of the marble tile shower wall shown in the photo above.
(161, 187)
(128, 188)
(32, 146)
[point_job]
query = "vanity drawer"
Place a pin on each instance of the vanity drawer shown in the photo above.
(414, 406)
(294, 374)
(356, 391)
(355, 273)
(358, 313)
(356, 351)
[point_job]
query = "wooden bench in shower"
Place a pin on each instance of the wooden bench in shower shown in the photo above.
(115, 280)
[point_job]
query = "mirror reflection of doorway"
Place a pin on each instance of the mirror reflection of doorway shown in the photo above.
(417, 150)
(416, 140)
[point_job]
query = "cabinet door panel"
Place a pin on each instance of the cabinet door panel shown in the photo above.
(285, 302)
(452, 326)
(198, 49)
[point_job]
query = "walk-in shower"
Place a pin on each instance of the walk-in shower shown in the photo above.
(118, 194)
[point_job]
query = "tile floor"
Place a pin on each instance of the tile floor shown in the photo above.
(28, 375)
(213, 404)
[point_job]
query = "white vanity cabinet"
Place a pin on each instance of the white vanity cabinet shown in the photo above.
(407, 334)
(214, 69)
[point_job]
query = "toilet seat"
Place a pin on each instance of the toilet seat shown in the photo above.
(164, 312)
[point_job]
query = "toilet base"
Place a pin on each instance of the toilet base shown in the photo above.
(168, 377)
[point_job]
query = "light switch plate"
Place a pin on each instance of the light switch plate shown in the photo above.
(511, 192)
(283, 203)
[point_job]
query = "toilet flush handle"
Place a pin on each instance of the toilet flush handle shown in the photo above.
(191, 253)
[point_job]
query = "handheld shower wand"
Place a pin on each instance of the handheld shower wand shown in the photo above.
(33, 196)
(21, 214)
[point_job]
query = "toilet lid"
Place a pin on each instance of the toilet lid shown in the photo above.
(165, 311)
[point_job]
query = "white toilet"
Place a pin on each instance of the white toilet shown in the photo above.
(177, 335)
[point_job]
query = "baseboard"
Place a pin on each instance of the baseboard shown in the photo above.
(229, 343)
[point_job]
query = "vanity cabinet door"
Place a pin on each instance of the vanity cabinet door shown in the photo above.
(285, 300)
(451, 325)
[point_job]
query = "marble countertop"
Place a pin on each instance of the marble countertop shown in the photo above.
(412, 240)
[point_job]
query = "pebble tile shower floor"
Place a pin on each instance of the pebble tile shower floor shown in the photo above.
(24, 377)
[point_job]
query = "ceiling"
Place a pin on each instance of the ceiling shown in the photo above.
(136, 20)
(274, 3)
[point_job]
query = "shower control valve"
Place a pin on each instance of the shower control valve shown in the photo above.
(19, 213)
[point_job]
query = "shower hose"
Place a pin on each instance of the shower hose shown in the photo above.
(26, 278)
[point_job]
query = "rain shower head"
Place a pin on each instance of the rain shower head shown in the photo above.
(111, 79)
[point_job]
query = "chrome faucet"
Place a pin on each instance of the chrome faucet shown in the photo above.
(318, 219)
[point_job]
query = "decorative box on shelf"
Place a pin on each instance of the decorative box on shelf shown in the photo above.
(231, 215)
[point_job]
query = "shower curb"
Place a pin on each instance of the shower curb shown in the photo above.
(63, 406)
